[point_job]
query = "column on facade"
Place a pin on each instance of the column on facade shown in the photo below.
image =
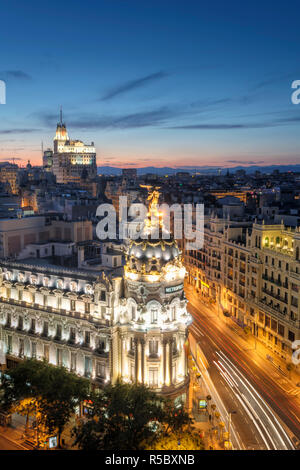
(143, 359)
(123, 356)
(111, 358)
(164, 361)
(170, 361)
(136, 348)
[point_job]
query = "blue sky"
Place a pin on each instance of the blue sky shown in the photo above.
(152, 83)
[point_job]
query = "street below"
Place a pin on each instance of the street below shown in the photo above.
(245, 384)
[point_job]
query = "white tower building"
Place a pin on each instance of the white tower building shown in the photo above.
(153, 318)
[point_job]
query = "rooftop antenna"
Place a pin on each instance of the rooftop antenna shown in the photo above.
(60, 114)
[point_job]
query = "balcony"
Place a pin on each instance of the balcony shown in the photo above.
(275, 296)
(274, 281)
(271, 308)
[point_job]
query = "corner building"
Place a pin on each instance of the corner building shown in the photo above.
(129, 323)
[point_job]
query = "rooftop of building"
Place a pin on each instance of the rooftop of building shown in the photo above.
(46, 265)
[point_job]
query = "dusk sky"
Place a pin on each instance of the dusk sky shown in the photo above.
(166, 83)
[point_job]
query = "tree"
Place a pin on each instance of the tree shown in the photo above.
(130, 417)
(50, 393)
(183, 441)
(59, 401)
(26, 407)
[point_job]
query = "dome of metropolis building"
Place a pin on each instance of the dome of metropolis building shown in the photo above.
(154, 253)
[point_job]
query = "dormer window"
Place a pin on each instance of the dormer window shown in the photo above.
(103, 295)
(73, 286)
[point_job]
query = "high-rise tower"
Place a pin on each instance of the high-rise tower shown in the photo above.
(72, 158)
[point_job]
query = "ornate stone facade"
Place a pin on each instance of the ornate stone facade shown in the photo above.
(129, 324)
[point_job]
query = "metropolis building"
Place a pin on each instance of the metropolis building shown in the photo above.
(129, 323)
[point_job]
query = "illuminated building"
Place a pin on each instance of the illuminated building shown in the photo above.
(252, 271)
(128, 323)
(72, 158)
(153, 317)
(9, 173)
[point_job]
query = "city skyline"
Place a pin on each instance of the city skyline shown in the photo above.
(150, 90)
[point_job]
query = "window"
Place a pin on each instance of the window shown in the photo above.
(87, 366)
(46, 352)
(274, 325)
(58, 332)
(33, 350)
(154, 316)
(103, 296)
(87, 338)
(59, 357)
(32, 325)
(20, 322)
(73, 361)
(8, 320)
(267, 321)
(87, 307)
(153, 377)
(280, 329)
(291, 336)
(9, 344)
(72, 305)
(45, 328)
(100, 371)
(153, 347)
(72, 335)
(101, 344)
(21, 347)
